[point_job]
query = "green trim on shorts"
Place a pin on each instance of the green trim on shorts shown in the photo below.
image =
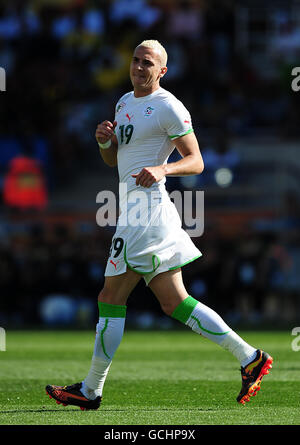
(183, 311)
(187, 262)
(174, 136)
(153, 263)
(138, 271)
(111, 310)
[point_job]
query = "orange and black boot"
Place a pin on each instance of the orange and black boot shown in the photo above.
(71, 395)
(252, 375)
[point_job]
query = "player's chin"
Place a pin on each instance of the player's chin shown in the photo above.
(139, 81)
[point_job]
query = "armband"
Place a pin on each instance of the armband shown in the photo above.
(105, 145)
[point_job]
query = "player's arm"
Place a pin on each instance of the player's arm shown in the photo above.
(105, 136)
(190, 164)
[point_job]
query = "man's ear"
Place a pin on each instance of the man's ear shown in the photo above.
(163, 71)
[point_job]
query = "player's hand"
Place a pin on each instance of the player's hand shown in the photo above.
(149, 175)
(105, 131)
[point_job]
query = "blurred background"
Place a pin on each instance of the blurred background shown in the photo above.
(230, 63)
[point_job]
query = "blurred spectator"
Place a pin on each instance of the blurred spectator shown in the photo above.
(24, 185)
(248, 280)
(284, 282)
(137, 11)
(185, 21)
(111, 69)
(286, 45)
(220, 159)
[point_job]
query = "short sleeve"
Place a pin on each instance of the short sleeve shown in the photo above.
(175, 119)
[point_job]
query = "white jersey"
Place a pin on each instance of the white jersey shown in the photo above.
(146, 127)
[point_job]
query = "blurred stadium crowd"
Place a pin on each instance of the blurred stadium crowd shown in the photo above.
(54, 276)
(66, 63)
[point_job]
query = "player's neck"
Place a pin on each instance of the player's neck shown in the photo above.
(145, 92)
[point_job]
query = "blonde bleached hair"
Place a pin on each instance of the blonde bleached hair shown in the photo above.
(157, 46)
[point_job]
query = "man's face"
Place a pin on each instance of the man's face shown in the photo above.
(145, 68)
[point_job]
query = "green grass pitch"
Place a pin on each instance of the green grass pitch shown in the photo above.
(156, 378)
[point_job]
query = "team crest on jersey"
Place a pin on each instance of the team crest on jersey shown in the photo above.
(120, 107)
(148, 112)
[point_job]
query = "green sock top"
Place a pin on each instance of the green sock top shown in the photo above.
(183, 311)
(111, 310)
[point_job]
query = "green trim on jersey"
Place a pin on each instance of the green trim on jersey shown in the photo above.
(111, 310)
(138, 271)
(175, 136)
(183, 311)
(187, 262)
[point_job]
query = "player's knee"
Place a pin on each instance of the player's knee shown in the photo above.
(105, 296)
(168, 308)
(109, 296)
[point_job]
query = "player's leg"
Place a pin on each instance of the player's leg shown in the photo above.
(175, 301)
(169, 289)
(109, 332)
(110, 328)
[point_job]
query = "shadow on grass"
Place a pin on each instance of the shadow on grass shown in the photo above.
(41, 410)
(15, 411)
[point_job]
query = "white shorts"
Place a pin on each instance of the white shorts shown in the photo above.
(149, 239)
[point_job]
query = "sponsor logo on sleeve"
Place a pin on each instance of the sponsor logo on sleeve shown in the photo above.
(120, 106)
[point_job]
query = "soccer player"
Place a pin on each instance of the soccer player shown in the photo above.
(149, 123)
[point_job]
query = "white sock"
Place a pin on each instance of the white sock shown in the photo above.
(244, 352)
(109, 333)
(209, 324)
